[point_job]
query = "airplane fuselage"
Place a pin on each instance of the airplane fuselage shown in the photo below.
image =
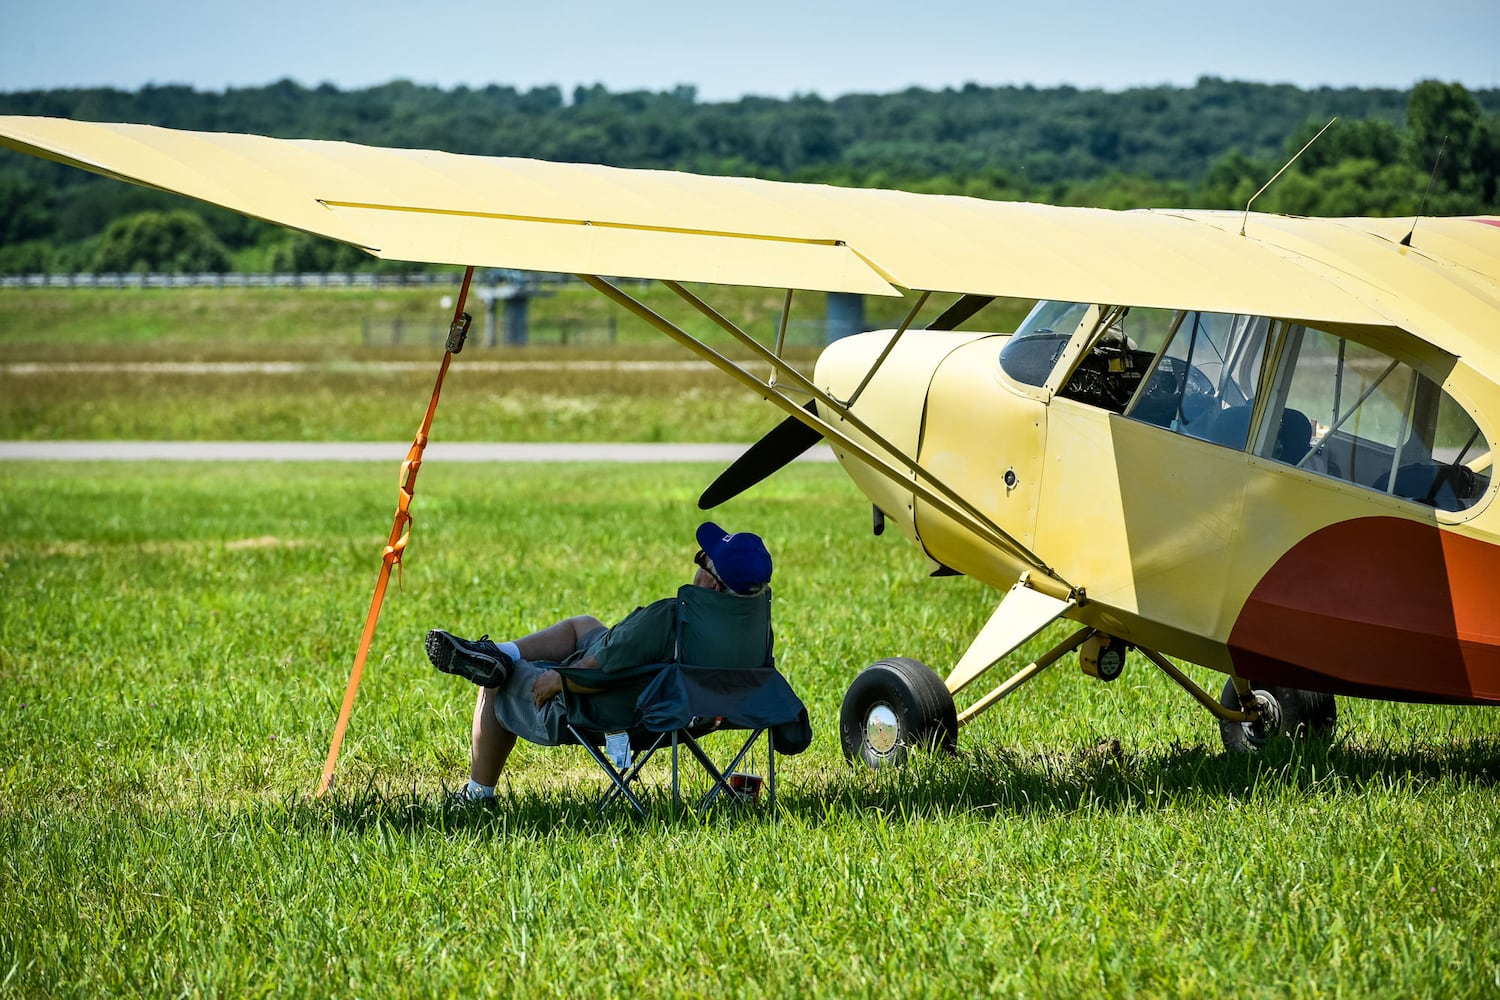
(1215, 554)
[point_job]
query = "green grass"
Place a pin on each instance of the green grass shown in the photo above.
(174, 643)
(106, 365)
(90, 365)
(372, 394)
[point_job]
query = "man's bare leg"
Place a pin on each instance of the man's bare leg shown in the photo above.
(557, 642)
(492, 742)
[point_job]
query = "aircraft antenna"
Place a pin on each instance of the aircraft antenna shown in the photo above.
(1278, 173)
(1406, 240)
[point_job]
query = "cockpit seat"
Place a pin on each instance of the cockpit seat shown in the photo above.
(1293, 437)
(1446, 487)
(1231, 428)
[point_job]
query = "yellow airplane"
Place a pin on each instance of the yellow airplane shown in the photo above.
(1259, 444)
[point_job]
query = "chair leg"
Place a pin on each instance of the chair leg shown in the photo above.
(676, 787)
(771, 770)
(720, 783)
(714, 774)
(630, 774)
(620, 780)
(614, 776)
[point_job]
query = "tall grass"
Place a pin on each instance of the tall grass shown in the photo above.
(174, 642)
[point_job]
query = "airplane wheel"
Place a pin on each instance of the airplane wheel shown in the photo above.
(892, 706)
(1293, 713)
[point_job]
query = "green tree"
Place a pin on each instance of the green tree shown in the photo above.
(1351, 187)
(178, 241)
(25, 213)
(30, 257)
(1060, 144)
(291, 251)
(1371, 139)
(1232, 179)
(1446, 118)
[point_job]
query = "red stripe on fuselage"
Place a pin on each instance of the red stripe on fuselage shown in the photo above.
(1378, 606)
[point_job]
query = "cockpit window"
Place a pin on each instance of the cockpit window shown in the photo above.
(1203, 383)
(1174, 369)
(1109, 372)
(1332, 406)
(1354, 413)
(1032, 351)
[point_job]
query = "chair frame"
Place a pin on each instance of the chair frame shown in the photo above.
(647, 741)
(621, 778)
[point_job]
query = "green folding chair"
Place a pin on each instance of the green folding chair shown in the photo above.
(722, 678)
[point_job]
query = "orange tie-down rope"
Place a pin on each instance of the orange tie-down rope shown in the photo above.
(400, 532)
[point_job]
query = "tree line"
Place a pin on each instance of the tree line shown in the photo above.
(1206, 146)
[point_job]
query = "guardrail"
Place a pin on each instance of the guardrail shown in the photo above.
(239, 279)
(397, 331)
(491, 284)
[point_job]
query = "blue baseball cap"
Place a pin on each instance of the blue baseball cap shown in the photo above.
(740, 559)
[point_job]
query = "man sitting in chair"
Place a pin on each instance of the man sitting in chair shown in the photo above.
(578, 670)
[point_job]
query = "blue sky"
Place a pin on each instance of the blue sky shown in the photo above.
(773, 47)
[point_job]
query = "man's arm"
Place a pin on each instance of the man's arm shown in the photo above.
(552, 682)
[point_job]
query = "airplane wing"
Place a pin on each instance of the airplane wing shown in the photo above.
(437, 207)
(447, 208)
(1444, 286)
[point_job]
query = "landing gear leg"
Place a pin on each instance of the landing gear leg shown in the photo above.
(1249, 716)
(1285, 711)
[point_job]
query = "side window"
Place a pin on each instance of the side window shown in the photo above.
(1354, 413)
(1203, 381)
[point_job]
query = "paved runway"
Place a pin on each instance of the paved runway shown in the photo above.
(372, 451)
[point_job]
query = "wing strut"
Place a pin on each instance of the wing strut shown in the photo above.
(899, 467)
(1022, 615)
(790, 438)
(890, 345)
(400, 533)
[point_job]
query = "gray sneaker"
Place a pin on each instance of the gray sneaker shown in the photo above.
(462, 798)
(478, 660)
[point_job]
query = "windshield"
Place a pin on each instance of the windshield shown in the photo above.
(1030, 353)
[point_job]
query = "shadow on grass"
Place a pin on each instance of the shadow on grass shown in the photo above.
(983, 781)
(1108, 778)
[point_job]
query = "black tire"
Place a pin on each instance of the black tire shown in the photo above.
(892, 706)
(1296, 714)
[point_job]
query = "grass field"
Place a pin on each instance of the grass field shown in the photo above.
(174, 643)
(189, 364)
(374, 395)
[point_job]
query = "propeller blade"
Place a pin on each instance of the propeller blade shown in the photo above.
(781, 445)
(959, 311)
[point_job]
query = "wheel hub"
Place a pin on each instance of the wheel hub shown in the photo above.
(1268, 725)
(882, 729)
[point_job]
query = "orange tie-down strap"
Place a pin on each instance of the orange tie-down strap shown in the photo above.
(400, 534)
